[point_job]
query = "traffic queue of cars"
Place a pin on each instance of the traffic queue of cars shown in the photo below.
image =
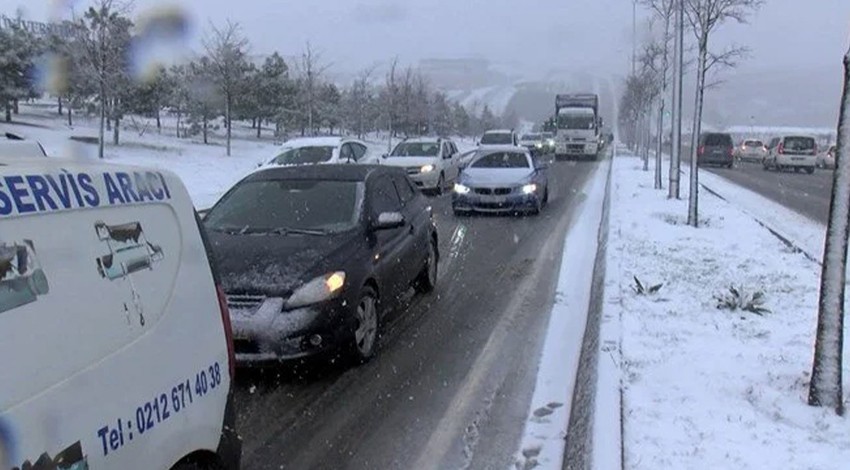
(782, 153)
(149, 314)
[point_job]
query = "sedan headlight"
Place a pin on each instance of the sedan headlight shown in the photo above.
(538, 145)
(461, 189)
(529, 188)
(427, 168)
(317, 290)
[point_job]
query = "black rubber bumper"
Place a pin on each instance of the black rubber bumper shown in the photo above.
(230, 446)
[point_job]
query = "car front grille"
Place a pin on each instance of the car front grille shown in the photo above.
(492, 191)
(245, 301)
(575, 147)
(414, 170)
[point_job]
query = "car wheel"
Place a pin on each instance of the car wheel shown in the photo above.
(427, 279)
(365, 338)
(441, 184)
(810, 170)
(546, 195)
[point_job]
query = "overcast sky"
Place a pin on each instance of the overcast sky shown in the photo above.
(532, 34)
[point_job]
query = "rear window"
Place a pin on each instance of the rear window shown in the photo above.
(497, 138)
(799, 143)
(502, 160)
(718, 140)
(754, 143)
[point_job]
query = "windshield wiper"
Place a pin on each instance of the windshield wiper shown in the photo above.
(231, 230)
(298, 231)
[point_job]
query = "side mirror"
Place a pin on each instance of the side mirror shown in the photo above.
(388, 220)
(384, 155)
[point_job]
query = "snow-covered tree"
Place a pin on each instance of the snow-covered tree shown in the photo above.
(442, 120)
(825, 388)
(18, 49)
(704, 17)
(663, 11)
(205, 100)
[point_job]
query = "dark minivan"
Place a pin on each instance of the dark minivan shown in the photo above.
(715, 149)
(311, 257)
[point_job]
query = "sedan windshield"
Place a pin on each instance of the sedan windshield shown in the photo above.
(281, 205)
(502, 160)
(532, 137)
(305, 155)
(416, 149)
(497, 138)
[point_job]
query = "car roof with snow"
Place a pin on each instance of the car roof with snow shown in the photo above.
(499, 131)
(500, 148)
(329, 141)
(415, 140)
(339, 172)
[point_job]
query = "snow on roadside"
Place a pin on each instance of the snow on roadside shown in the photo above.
(709, 388)
(543, 439)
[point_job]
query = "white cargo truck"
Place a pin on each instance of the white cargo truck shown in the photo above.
(578, 125)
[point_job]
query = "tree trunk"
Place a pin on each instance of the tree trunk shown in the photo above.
(8, 112)
(676, 115)
(15, 106)
(253, 123)
(205, 130)
(177, 128)
(116, 130)
(644, 144)
(825, 388)
(102, 131)
(70, 119)
(158, 120)
(227, 121)
(59, 101)
(259, 126)
(659, 146)
(693, 196)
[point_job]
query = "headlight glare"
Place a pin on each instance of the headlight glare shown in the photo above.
(461, 189)
(427, 168)
(317, 290)
(529, 188)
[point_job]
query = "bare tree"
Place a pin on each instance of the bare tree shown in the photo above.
(392, 100)
(825, 388)
(652, 76)
(358, 101)
(704, 17)
(663, 10)
(227, 48)
(311, 70)
(104, 35)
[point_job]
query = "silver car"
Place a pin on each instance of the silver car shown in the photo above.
(751, 150)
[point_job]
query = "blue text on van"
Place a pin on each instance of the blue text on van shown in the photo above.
(26, 194)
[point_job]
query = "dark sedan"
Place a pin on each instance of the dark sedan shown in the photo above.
(312, 257)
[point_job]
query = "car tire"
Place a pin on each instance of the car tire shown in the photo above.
(810, 170)
(426, 281)
(546, 196)
(364, 339)
(441, 184)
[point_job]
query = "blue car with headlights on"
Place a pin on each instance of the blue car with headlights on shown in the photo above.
(504, 179)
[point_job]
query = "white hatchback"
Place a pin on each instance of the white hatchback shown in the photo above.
(432, 163)
(115, 339)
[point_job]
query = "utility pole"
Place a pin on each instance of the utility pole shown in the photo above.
(678, 72)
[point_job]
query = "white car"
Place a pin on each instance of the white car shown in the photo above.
(313, 150)
(432, 163)
(792, 152)
(499, 137)
(115, 337)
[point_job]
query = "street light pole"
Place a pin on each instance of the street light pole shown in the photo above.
(678, 72)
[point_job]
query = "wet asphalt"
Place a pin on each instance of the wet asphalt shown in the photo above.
(804, 193)
(451, 384)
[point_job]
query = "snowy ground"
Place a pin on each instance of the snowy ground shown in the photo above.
(204, 168)
(704, 387)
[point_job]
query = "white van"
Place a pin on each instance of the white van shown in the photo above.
(115, 341)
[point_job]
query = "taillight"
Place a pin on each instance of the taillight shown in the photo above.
(701, 149)
(781, 149)
(228, 330)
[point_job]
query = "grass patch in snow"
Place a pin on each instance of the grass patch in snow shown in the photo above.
(703, 390)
